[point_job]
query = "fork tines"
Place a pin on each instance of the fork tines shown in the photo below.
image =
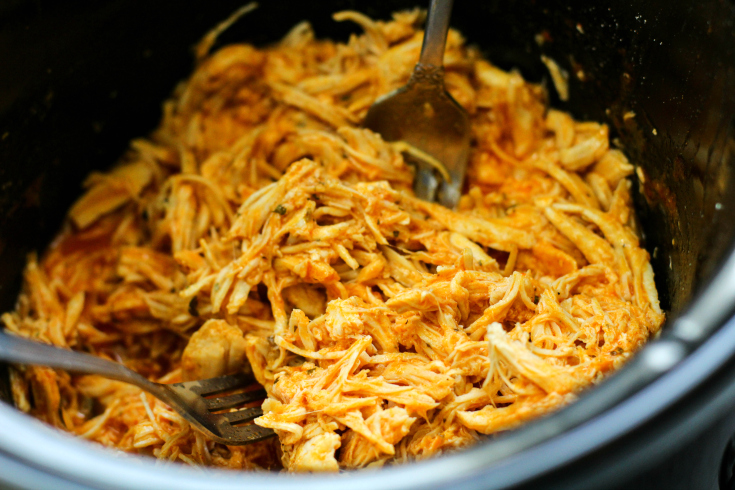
(244, 415)
(230, 401)
(227, 426)
(251, 433)
(213, 386)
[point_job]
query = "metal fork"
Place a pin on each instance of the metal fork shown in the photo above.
(188, 399)
(423, 114)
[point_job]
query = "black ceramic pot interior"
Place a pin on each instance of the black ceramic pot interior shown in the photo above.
(81, 78)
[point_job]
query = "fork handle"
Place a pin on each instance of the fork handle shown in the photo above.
(22, 351)
(435, 36)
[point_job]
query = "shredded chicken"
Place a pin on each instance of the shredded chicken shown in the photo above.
(261, 222)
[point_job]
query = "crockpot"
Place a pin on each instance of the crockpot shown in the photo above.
(80, 78)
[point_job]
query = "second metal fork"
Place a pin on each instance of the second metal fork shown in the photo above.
(196, 401)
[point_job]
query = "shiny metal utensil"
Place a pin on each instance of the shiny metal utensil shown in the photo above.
(424, 115)
(188, 399)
